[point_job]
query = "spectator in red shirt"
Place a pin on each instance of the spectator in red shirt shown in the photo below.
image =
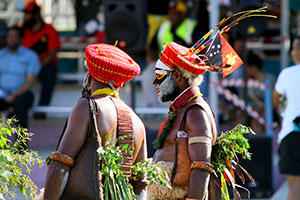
(43, 39)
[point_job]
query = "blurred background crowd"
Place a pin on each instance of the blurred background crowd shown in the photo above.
(57, 32)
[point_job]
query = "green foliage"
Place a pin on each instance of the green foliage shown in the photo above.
(115, 185)
(229, 144)
(153, 172)
(161, 138)
(225, 160)
(16, 162)
(224, 190)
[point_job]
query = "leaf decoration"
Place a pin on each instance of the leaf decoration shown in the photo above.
(115, 185)
(249, 176)
(159, 141)
(224, 189)
(238, 171)
(226, 162)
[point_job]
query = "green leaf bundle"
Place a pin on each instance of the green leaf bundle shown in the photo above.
(115, 185)
(225, 160)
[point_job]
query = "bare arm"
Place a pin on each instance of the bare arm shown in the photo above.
(72, 141)
(276, 97)
(50, 57)
(30, 78)
(139, 155)
(198, 124)
(140, 143)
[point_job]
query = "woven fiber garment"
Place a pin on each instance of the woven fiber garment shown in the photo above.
(177, 55)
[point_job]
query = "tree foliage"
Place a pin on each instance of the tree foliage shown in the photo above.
(16, 162)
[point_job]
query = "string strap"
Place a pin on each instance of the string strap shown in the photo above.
(63, 158)
(202, 165)
(200, 139)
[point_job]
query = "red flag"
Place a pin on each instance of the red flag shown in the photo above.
(221, 54)
(229, 57)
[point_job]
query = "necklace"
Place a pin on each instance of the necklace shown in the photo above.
(107, 91)
(166, 125)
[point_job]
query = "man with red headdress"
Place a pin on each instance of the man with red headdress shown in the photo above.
(100, 115)
(186, 138)
(190, 120)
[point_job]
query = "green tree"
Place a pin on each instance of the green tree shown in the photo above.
(16, 162)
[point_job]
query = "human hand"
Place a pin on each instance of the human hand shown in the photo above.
(10, 98)
(143, 195)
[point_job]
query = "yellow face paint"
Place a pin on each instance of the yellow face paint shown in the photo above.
(161, 75)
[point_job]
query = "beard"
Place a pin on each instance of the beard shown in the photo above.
(169, 90)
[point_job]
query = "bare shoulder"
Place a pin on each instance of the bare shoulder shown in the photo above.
(196, 114)
(197, 122)
(139, 132)
(80, 109)
(138, 125)
(76, 131)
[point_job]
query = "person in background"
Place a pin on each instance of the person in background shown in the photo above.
(177, 28)
(19, 68)
(287, 85)
(43, 39)
(256, 96)
(157, 14)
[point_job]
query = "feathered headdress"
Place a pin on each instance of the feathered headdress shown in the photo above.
(210, 53)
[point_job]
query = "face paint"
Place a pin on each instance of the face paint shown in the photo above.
(167, 90)
(161, 72)
(161, 75)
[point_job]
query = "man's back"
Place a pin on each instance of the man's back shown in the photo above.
(107, 123)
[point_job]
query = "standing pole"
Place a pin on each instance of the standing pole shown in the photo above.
(268, 108)
(284, 31)
(213, 95)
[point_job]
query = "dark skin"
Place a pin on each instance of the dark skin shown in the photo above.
(76, 133)
(199, 179)
(176, 18)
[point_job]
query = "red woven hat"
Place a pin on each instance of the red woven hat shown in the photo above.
(107, 63)
(177, 55)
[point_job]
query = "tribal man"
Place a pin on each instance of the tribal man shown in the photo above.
(185, 139)
(98, 117)
(190, 119)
